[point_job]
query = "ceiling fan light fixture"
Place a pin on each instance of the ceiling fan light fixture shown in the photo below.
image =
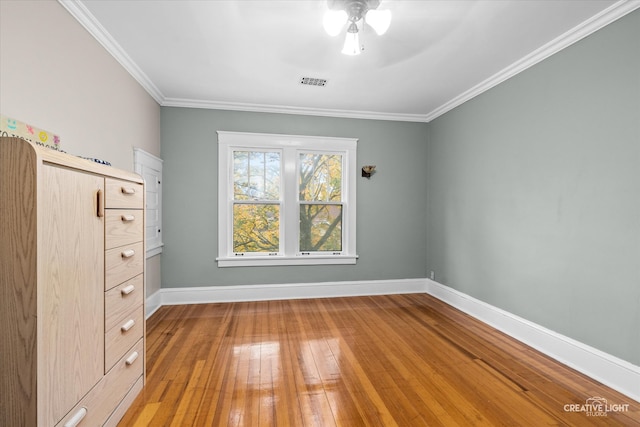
(355, 13)
(352, 41)
(333, 21)
(379, 20)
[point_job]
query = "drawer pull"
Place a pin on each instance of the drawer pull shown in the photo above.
(130, 323)
(127, 218)
(128, 190)
(127, 290)
(128, 253)
(77, 418)
(131, 358)
(100, 201)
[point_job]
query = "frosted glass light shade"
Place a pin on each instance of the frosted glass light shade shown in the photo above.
(379, 20)
(333, 21)
(351, 44)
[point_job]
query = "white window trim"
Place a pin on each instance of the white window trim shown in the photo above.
(230, 141)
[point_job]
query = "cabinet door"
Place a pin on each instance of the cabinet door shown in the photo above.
(71, 288)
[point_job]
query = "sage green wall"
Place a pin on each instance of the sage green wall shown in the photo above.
(534, 193)
(390, 206)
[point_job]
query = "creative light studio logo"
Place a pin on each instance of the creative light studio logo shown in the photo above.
(596, 407)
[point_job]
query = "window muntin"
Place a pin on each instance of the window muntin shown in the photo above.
(286, 200)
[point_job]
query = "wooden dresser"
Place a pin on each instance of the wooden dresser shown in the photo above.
(71, 288)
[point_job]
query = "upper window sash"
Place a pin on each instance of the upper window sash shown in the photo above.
(256, 174)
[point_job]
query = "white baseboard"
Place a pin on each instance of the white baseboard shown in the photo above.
(209, 294)
(153, 303)
(605, 368)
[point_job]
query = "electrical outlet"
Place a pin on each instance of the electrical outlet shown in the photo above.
(432, 275)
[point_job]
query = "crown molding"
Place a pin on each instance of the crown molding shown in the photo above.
(91, 24)
(591, 25)
(588, 27)
(279, 109)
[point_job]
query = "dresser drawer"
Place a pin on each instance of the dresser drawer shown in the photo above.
(122, 299)
(122, 337)
(127, 370)
(123, 263)
(122, 227)
(128, 400)
(123, 194)
(98, 404)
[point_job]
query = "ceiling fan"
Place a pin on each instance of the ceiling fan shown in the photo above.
(355, 14)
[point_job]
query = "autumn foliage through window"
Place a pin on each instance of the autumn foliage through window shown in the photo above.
(320, 199)
(256, 209)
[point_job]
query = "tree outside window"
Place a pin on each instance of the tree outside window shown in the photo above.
(320, 198)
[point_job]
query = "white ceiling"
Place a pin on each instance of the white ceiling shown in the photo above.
(251, 55)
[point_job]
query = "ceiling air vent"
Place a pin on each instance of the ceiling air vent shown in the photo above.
(312, 81)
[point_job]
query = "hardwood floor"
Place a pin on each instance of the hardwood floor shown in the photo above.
(400, 360)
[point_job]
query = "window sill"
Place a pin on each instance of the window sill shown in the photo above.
(265, 261)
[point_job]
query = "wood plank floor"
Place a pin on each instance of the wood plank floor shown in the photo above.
(401, 360)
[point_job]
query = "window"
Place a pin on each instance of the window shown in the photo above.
(150, 167)
(286, 200)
